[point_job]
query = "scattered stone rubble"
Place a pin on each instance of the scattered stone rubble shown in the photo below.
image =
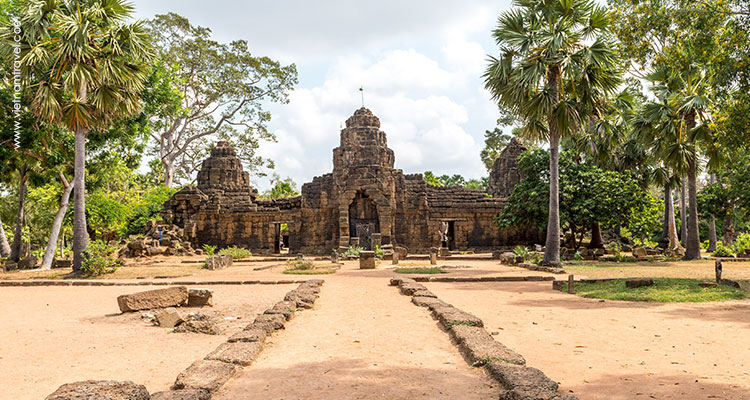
(159, 239)
(508, 368)
(205, 376)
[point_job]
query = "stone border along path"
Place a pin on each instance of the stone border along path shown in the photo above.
(201, 379)
(480, 349)
(145, 283)
(530, 278)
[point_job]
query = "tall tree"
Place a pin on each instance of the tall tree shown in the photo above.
(88, 66)
(224, 90)
(556, 60)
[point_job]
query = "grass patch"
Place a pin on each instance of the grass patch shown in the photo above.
(419, 270)
(316, 271)
(304, 267)
(236, 252)
(663, 290)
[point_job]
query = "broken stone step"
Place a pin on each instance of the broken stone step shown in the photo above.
(91, 389)
(252, 335)
(449, 316)
(182, 394)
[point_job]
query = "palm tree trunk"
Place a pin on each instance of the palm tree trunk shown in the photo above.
(552, 244)
(4, 245)
(80, 236)
(49, 253)
(674, 241)
(665, 221)
(683, 213)
(15, 251)
(693, 245)
(712, 225)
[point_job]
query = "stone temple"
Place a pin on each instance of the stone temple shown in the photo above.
(364, 201)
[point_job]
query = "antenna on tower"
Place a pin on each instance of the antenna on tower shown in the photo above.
(362, 93)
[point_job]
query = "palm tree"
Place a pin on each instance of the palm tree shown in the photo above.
(556, 60)
(682, 101)
(85, 67)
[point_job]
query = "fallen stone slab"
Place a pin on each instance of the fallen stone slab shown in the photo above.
(480, 348)
(730, 283)
(531, 393)
(252, 335)
(275, 320)
(169, 318)
(182, 394)
(200, 297)
(239, 353)
(205, 374)
(430, 302)
(636, 283)
(158, 298)
(205, 327)
(100, 390)
(449, 316)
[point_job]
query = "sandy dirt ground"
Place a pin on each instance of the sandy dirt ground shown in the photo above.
(617, 350)
(363, 340)
(56, 335)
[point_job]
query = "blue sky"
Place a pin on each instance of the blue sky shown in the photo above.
(420, 63)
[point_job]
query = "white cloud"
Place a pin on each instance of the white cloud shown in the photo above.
(418, 101)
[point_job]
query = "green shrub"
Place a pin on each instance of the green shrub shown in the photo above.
(379, 253)
(521, 251)
(147, 209)
(210, 250)
(352, 251)
(38, 253)
(537, 257)
(98, 259)
(722, 251)
(741, 243)
(236, 252)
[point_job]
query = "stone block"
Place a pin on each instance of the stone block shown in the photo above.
(252, 335)
(285, 308)
(208, 375)
(28, 262)
(639, 252)
(154, 251)
(219, 262)
(428, 301)
(239, 353)
(423, 293)
(508, 258)
(169, 318)
(408, 289)
(182, 394)
(277, 321)
(200, 297)
(62, 263)
(449, 316)
(480, 348)
(402, 252)
(395, 258)
(158, 298)
(366, 260)
(100, 390)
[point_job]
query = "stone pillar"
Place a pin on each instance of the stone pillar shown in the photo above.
(366, 259)
(354, 242)
(376, 240)
(394, 258)
(433, 255)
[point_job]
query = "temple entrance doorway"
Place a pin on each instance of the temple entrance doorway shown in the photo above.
(280, 237)
(363, 219)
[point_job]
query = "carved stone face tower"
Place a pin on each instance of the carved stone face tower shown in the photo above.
(363, 182)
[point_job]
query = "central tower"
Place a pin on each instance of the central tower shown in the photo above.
(363, 182)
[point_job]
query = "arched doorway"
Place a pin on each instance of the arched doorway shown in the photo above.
(363, 219)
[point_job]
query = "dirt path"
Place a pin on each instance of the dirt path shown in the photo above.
(617, 350)
(363, 341)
